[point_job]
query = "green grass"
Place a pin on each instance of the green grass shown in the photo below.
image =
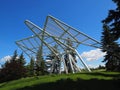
(79, 81)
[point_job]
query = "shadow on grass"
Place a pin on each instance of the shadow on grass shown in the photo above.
(2, 85)
(79, 84)
(114, 76)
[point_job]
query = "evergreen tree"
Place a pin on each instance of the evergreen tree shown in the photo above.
(111, 33)
(113, 20)
(32, 63)
(40, 64)
(31, 67)
(13, 69)
(21, 65)
(21, 59)
(15, 56)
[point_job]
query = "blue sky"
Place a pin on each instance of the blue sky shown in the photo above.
(84, 15)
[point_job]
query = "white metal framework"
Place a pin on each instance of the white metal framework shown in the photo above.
(59, 41)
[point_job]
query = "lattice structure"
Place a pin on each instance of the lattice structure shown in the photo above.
(59, 39)
(61, 30)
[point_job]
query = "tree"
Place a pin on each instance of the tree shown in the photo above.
(13, 69)
(21, 65)
(113, 20)
(111, 33)
(40, 64)
(31, 67)
(32, 64)
(21, 59)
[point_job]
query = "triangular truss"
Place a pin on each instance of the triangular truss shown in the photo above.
(59, 29)
(57, 33)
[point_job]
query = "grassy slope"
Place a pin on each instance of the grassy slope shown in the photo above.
(79, 81)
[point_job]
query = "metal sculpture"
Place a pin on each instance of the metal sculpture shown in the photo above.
(59, 42)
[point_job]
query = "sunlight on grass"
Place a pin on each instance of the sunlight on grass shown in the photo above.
(31, 81)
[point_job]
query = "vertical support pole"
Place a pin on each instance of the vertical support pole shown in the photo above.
(60, 67)
(65, 67)
(82, 61)
(71, 63)
(52, 67)
(74, 64)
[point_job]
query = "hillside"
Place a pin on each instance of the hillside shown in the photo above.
(79, 81)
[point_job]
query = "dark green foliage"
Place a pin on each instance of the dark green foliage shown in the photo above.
(40, 64)
(100, 67)
(32, 64)
(31, 67)
(13, 69)
(112, 57)
(21, 59)
(111, 33)
(21, 65)
(113, 20)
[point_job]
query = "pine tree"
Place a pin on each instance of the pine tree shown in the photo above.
(32, 63)
(40, 64)
(111, 34)
(13, 69)
(21, 64)
(113, 20)
(21, 59)
(15, 56)
(31, 67)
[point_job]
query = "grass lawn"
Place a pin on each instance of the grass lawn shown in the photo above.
(79, 81)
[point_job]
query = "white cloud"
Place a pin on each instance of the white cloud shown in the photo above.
(93, 54)
(6, 58)
(92, 66)
(95, 65)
